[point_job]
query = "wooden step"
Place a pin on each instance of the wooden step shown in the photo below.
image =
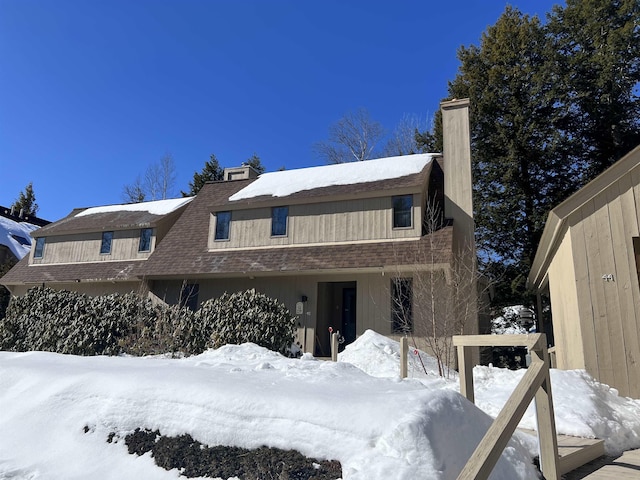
(574, 452)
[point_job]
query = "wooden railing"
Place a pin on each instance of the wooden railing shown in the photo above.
(535, 383)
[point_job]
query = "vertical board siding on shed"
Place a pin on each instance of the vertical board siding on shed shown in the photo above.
(345, 221)
(602, 233)
(566, 324)
(625, 282)
(607, 217)
(599, 262)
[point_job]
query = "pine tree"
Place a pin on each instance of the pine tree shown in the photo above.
(26, 202)
(597, 70)
(551, 107)
(209, 173)
(518, 176)
(254, 161)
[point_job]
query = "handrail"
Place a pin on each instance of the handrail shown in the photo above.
(536, 383)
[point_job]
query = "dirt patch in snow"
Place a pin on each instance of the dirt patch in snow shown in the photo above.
(193, 459)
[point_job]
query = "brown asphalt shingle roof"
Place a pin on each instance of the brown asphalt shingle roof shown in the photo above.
(99, 222)
(184, 251)
(23, 273)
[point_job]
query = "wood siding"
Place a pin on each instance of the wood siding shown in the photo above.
(564, 298)
(373, 307)
(606, 282)
(86, 248)
(329, 222)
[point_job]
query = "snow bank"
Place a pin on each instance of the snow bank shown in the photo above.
(377, 427)
(8, 228)
(157, 207)
(244, 395)
(583, 407)
(287, 182)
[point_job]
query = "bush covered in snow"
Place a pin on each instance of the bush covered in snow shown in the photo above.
(69, 322)
(247, 317)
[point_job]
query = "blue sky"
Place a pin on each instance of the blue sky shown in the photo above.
(92, 92)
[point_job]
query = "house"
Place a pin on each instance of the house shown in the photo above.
(588, 265)
(15, 238)
(344, 246)
(95, 250)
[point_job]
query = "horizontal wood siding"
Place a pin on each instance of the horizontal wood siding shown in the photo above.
(345, 221)
(86, 248)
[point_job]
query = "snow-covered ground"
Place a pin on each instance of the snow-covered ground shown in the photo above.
(356, 411)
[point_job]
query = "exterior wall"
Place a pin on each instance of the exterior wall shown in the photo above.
(602, 233)
(328, 222)
(373, 308)
(86, 248)
(564, 299)
(90, 289)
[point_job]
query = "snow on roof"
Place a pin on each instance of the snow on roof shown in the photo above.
(157, 207)
(16, 236)
(287, 182)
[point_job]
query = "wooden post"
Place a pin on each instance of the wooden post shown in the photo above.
(547, 437)
(535, 384)
(404, 352)
(465, 372)
(334, 347)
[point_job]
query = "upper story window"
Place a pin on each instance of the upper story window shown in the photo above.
(105, 245)
(39, 251)
(279, 218)
(223, 222)
(145, 240)
(402, 211)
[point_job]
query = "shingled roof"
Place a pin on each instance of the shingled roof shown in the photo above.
(120, 217)
(23, 273)
(184, 251)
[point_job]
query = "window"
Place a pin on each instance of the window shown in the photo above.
(189, 296)
(39, 251)
(279, 216)
(223, 222)
(402, 305)
(21, 240)
(402, 211)
(145, 240)
(105, 245)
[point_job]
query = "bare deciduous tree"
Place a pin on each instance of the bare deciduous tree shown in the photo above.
(352, 138)
(403, 140)
(157, 183)
(444, 297)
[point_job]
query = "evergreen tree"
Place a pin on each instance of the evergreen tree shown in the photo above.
(254, 161)
(517, 175)
(209, 173)
(597, 72)
(26, 202)
(551, 107)
(430, 141)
